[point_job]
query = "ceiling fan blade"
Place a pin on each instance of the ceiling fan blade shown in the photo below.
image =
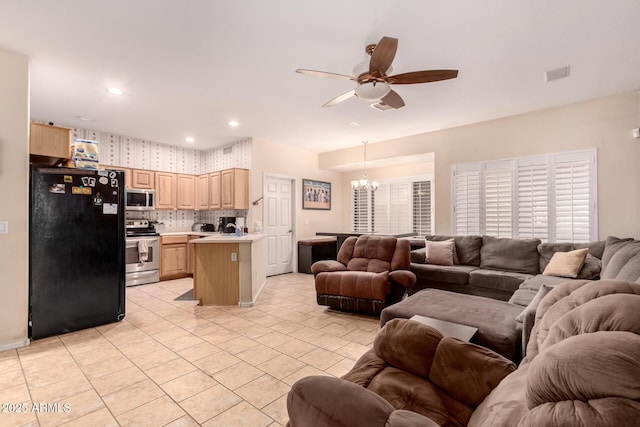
(324, 74)
(340, 98)
(422, 77)
(383, 55)
(392, 99)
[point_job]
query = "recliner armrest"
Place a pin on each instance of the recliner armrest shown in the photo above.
(322, 401)
(403, 277)
(327, 266)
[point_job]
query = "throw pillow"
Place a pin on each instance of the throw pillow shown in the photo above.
(533, 305)
(591, 268)
(439, 253)
(566, 264)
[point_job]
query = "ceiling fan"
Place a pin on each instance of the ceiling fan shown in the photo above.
(372, 80)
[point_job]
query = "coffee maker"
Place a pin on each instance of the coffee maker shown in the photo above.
(226, 224)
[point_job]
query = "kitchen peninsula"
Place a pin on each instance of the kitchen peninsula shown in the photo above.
(229, 270)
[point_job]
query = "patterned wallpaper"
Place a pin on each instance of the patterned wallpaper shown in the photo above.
(118, 150)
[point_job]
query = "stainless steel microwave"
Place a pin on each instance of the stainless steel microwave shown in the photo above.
(140, 200)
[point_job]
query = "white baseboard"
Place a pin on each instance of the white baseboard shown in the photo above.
(10, 346)
(259, 290)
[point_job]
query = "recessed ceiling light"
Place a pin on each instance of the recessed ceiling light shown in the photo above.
(234, 124)
(115, 91)
(189, 139)
(85, 118)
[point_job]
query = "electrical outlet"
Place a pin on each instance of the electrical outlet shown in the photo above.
(234, 257)
(4, 227)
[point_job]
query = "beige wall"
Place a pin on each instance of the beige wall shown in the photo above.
(605, 124)
(14, 182)
(291, 162)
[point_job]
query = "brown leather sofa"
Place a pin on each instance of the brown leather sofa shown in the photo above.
(581, 369)
(371, 272)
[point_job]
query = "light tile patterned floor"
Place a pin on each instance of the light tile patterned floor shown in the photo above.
(173, 363)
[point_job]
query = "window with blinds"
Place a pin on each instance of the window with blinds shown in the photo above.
(421, 195)
(362, 210)
(550, 197)
(397, 206)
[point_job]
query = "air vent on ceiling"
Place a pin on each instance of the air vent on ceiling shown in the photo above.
(227, 149)
(558, 73)
(381, 106)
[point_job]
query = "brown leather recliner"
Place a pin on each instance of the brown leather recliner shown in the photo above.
(371, 273)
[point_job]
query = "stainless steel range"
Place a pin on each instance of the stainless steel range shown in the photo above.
(143, 252)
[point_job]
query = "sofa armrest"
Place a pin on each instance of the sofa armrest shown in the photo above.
(403, 277)
(327, 266)
(322, 401)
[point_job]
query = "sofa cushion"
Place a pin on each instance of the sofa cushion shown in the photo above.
(355, 284)
(407, 345)
(494, 279)
(440, 253)
(483, 370)
(455, 274)
(369, 253)
(566, 264)
(518, 255)
(621, 259)
(418, 256)
(467, 247)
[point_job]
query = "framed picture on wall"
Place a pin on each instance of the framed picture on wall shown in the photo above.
(316, 194)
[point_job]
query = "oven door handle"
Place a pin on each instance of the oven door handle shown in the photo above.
(134, 243)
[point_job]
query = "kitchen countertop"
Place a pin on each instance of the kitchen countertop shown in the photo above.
(231, 238)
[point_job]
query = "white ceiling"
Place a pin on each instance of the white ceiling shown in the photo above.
(188, 67)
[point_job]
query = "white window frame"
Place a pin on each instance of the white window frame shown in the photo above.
(582, 168)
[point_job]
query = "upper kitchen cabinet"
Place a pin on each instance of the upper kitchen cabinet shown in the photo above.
(127, 174)
(166, 189)
(186, 192)
(215, 188)
(202, 192)
(48, 144)
(143, 179)
(235, 188)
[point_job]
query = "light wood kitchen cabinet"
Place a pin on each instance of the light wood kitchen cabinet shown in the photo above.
(235, 188)
(186, 192)
(215, 195)
(191, 254)
(127, 173)
(202, 192)
(48, 144)
(174, 256)
(143, 179)
(166, 189)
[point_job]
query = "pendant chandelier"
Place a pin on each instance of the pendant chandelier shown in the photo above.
(364, 183)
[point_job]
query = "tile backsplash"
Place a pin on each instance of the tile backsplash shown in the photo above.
(128, 152)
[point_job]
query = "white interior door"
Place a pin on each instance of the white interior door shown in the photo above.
(278, 224)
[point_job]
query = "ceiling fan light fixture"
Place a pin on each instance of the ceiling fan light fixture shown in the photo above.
(372, 91)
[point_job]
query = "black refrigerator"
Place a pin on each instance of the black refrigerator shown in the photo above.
(76, 250)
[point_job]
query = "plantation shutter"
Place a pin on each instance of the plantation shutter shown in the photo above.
(362, 221)
(498, 177)
(421, 194)
(466, 199)
(550, 197)
(532, 199)
(573, 205)
(381, 208)
(399, 208)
